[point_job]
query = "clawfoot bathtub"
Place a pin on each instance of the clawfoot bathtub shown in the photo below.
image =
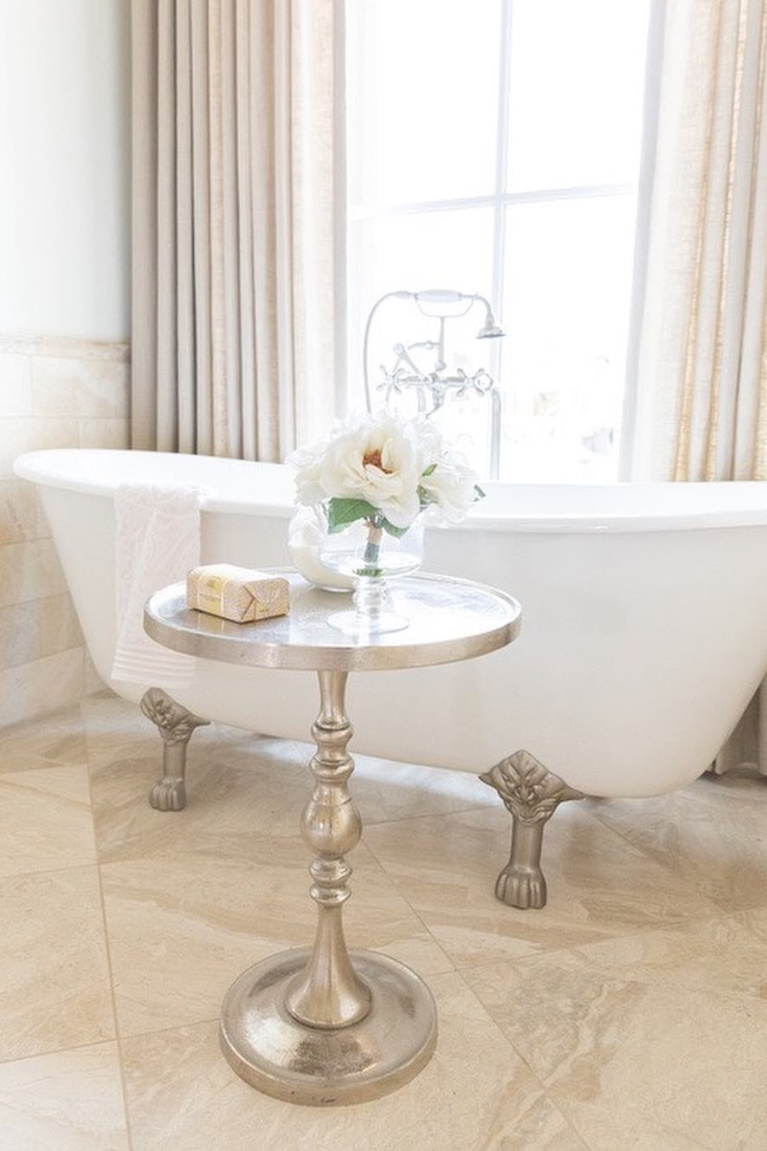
(645, 632)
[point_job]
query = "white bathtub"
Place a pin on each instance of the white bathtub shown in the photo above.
(645, 618)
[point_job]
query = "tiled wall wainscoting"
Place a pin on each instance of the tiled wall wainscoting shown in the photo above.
(54, 393)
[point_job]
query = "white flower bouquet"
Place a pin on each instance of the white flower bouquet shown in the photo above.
(385, 472)
(369, 482)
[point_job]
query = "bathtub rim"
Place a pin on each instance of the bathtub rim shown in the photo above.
(51, 467)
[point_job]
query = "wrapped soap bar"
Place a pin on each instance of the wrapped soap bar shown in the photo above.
(239, 594)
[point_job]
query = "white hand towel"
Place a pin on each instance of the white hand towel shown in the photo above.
(158, 542)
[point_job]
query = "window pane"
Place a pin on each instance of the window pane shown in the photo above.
(568, 281)
(416, 252)
(576, 90)
(423, 94)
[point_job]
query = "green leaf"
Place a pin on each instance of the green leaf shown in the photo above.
(343, 511)
(392, 529)
(478, 493)
(430, 470)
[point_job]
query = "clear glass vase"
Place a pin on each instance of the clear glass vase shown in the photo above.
(308, 542)
(365, 552)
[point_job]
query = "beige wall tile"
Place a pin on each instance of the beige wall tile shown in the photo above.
(54, 992)
(15, 386)
(38, 628)
(54, 433)
(67, 1101)
(98, 433)
(58, 628)
(29, 570)
(18, 638)
(54, 393)
(103, 391)
(64, 347)
(93, 681)
(18, 510)
(86, 388)
(42, 527)
(54, 387)
(30, 435)
(34, 688)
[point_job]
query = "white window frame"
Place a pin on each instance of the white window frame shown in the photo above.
(499, 201)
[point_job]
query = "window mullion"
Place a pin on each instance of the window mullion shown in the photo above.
(499, 215)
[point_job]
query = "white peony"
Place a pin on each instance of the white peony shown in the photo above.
(376, 459)
(451, 485)
(398, 468)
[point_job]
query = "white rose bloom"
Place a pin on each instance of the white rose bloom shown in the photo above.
(452, 485)
(377, 459)
(308, 465)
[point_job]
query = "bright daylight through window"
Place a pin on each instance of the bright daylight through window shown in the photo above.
(493, 148)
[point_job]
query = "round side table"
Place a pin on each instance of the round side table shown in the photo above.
(322, 1026)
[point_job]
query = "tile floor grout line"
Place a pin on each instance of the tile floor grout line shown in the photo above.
(58, 1051)
(93, 863)
(510, 1043)
(417, 914)
(544, 1089)
(631, 933)
(48, 765)
(654, 859)
(173, 1027)
(427, 815)
(108, 949)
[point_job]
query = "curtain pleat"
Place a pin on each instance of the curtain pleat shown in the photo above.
(167, 367)
(185, 303)
(201, 230)
(144, 48)
(235, 224)
(246, 314)
(233, 437)
(312, 125)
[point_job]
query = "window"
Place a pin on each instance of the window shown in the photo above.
(493, 147)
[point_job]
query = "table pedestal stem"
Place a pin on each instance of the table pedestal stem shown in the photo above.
(328, 992)
(326, 1027)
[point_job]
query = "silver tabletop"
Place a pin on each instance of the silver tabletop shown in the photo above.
(326, 1026)
(450, 620)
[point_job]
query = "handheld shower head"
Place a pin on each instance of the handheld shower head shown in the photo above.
(491, 329)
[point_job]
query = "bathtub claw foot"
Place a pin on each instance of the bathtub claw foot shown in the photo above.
(168, 795)
(521, 886)
(531, 794)
(176, 726)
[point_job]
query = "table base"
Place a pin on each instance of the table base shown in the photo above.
(272, 1051)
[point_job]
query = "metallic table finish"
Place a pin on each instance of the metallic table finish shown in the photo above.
(268, 1048)
(325, 1027)
(451, 620)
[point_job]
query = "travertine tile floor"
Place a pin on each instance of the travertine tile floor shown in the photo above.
(631, 1013)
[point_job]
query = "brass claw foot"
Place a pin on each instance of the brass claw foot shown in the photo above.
(168, 794)
(176, 726)
(531, 794)
(522, 887)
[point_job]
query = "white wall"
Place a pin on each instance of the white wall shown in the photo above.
(64, 168)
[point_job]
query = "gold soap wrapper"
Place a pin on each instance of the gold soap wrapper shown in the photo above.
(239, 594)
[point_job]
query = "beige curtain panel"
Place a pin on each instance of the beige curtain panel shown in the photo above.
(236, 229)
(701, 393)
(698, 410)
